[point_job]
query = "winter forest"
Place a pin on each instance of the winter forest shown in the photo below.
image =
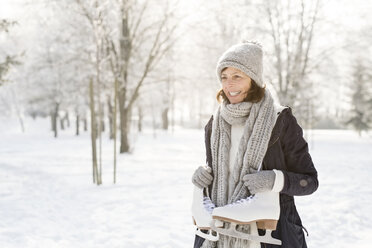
(103, 105)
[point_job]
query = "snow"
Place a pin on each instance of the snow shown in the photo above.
(47, 198)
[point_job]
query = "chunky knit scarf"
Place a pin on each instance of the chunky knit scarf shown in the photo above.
(259, 119)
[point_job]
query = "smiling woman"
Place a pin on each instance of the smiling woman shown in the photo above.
(257, 161)
(238, 87)
(235, 83)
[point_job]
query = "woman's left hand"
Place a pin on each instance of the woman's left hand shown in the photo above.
(261, 181)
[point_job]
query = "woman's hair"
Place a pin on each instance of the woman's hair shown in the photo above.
(254, 94)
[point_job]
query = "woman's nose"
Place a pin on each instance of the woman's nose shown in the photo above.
(229, 81)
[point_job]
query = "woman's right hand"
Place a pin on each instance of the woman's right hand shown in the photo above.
(202, 177)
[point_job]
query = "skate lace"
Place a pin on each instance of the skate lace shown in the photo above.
(208, 204)
(244, 200)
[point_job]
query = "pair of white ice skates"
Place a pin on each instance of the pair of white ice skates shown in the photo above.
(262, 208)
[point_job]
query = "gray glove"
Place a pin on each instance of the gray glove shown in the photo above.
(202, 177)
(261, 181)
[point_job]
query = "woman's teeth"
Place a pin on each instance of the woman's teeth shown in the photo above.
(234, 93)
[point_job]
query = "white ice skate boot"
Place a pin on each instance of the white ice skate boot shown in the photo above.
(263, 208)
(202, 208)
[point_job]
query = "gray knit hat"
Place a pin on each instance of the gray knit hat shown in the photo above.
(245, 56)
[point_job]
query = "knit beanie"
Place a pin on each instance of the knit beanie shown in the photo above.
(245, 56)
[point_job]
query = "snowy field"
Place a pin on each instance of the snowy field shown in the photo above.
(47, 198)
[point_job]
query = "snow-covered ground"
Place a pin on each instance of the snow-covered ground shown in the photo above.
(47, 198)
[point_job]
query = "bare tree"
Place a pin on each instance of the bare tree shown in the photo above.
(360, 114)
(96, 173)
(115, 124)
(291, 27)
(135, 34)
(94, 14)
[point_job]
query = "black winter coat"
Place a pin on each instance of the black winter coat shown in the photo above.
(287, 151)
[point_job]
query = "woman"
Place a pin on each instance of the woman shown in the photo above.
(248, 132)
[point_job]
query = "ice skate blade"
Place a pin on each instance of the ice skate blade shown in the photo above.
(216, 217)
(208, 235)
(261, 224)
(236, 234)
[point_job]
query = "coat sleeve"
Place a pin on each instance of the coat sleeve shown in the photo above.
(301, 177)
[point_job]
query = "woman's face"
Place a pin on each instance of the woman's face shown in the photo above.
(235, 84)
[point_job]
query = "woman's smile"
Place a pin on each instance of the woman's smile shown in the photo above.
(234, 93)
(235, 84)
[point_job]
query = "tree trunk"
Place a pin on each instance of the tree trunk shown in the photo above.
(172, 108)
(124, 126)
(125, 52)
(96, 128)
(85, 121)
(114, 124)
(140, 118)
(166, 103)
(77, 122)
(102, 118)
(124, 123)
(67, 117)
(62, 123)
(164, 117)
(64, 119)
(110, 116)
(55, 120)
(93, 134)
(51, 122)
